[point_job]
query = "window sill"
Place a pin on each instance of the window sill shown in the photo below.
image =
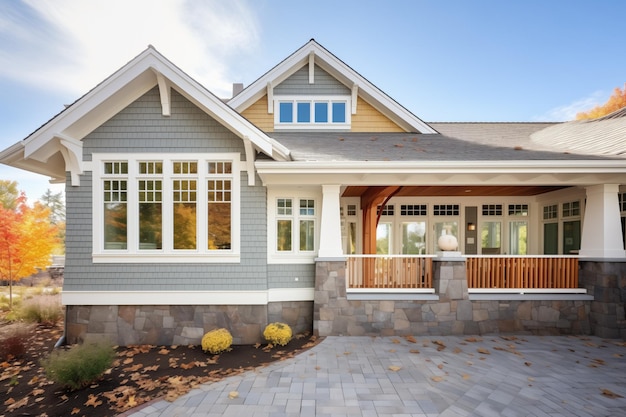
(164, 258)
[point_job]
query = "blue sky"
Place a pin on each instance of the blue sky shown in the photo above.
(444, 60)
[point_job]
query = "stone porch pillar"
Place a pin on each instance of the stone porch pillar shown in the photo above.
(601, 234)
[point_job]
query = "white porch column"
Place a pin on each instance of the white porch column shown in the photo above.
(601, 236)
(330, 228)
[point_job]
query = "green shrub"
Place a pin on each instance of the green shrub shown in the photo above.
(80, 365)
(217, 341)
(277, 333)
(42, 309)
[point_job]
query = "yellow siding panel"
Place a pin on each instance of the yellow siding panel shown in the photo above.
(257, 114)
(368, 119)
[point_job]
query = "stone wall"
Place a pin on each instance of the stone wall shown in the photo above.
(335, 313)
(181, 325)
(606, 281)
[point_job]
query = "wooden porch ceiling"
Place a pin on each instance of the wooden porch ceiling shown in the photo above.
(454, 191)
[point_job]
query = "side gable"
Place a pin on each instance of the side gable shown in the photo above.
(56, 147)
(305, 65)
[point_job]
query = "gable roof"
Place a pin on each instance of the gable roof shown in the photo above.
(602, 136)
(56, 146)
(314, 52)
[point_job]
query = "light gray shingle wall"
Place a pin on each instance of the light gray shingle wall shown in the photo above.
(141, 128)
(298, 84)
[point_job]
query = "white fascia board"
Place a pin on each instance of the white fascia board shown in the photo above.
(583, 172)
(339, 70)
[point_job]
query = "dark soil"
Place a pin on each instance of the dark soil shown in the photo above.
(140, 374)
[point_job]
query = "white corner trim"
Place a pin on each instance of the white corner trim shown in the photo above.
(259, 297)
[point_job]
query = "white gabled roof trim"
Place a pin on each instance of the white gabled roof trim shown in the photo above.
(148, 69)
(337, 68)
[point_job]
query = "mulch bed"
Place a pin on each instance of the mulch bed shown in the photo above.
(140, 374)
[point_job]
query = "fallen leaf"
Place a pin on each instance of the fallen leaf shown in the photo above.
(93, 401)
(163, 351)
(75, 411)
(457, 350)
(410, 339)
(9, 401)
(414, 351)
(483, 351)
(436, 378)
(233, 394)
(131, 402)
(17, 404)
(151, 368)
(473, 339)
(527, 363)
(127, 361)
(133, 368)
(394, 368)
(440, 366)
(466, 376)
(395, 341)
(610, 394)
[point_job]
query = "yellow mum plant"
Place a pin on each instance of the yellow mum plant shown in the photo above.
(217, 341)
(277, 333)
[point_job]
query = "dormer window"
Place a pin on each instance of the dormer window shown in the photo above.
(297, 112)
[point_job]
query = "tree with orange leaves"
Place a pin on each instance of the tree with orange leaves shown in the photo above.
(615, 102)
(27, 239)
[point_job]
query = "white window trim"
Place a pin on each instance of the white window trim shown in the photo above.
(295, 256)
(312, 100)
(166, 255)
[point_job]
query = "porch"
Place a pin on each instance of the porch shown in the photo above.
(538, 295)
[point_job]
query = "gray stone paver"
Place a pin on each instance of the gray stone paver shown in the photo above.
(389, 376)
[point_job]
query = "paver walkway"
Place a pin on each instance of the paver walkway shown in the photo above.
(429, 376)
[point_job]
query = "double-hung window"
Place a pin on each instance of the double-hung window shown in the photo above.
(323, 112)
(175, 208)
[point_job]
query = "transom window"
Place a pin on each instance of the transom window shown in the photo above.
(571, 209)
(159, 209)
(413, 210)
(550, 212)
(320, 112)
(388, 210)
(518, 209)
(492, 209)
(445, 210)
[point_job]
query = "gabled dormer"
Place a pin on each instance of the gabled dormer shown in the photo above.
(314, 90)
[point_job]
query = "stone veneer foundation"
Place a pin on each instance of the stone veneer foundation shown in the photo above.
(181, 325)
(454, 313)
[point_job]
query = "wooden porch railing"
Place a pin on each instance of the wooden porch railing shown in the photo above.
(522, 272)
(389, 271)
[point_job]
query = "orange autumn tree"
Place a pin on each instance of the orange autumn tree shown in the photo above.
(27, 238)
(615, 102)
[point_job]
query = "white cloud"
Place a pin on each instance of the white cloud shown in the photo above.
(71, 45)
(568, 112)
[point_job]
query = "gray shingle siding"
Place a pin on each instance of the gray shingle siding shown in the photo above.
(141, 128)
(298, 84)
